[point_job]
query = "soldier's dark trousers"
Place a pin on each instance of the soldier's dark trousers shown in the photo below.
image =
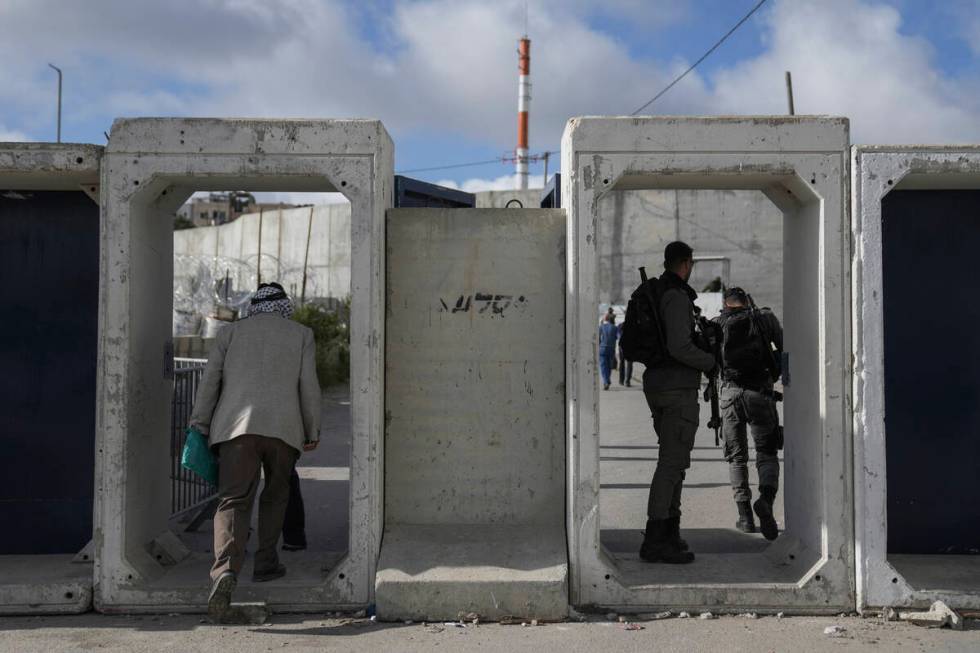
(743, 410)
(675, 420)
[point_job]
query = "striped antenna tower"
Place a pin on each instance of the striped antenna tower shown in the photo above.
(523, 106)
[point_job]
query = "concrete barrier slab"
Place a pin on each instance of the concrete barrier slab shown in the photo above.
(927, 487)
(474, 490)
(437, 572)
(800, 164)
(50, 240)
(151, 167)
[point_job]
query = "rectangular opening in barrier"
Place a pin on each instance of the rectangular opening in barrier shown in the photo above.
(932, 393)
(225, 244)
(740, 238)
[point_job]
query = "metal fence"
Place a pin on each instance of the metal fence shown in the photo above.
(187, 489)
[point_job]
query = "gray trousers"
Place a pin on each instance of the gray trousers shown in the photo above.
(675, 420)
(741, 408)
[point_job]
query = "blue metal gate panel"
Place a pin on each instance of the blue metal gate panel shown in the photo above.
(930, 241)
(412, 193)
(49, 267)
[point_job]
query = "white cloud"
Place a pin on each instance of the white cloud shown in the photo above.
(849, 58)
(12, 135)
(506, 182)
(449, 66)
(446, 65)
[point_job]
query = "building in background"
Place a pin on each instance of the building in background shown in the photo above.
(216, 209)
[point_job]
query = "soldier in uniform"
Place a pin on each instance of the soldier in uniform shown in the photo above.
(752, 343)
(671, 390)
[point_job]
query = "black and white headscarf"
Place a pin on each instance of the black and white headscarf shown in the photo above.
(271, 299)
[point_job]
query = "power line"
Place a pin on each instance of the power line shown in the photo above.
(453, 165)
(703, 57)
(499, 159)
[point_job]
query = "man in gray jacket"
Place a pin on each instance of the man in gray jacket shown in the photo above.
(259, 405)
(671, 391)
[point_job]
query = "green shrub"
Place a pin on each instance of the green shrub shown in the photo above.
(331, 331)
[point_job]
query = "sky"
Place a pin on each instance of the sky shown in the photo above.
(442, 74)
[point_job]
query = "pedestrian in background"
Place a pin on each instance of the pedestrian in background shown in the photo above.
(608, 335)
(259, 405)
(625, 366)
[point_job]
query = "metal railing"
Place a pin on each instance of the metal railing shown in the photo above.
(187, 489)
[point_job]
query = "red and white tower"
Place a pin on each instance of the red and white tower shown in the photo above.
(523, 106)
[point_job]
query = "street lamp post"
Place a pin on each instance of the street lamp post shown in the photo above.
(59, 99)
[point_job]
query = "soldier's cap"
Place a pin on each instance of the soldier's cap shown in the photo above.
(737, 293)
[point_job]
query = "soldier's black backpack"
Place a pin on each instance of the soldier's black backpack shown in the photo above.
(745, 348)
(643, 335)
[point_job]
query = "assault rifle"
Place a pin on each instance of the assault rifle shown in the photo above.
(710, 337)
(760, 327)
(655, 308)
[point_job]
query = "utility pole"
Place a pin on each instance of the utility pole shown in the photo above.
(545, 182)
(789, 93)
(306, 256)
(260, 246)
(59, 99)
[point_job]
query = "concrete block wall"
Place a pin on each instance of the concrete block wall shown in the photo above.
(797, 163)
(475, 482)
(151, 167)
(742, 226)
(284, 233)
(48, 245)
(800, 164)
(908, 580)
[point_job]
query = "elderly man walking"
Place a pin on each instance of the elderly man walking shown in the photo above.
(259, 405)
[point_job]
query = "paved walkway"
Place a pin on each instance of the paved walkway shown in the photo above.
(325, 484)
(187, 634)
(627, 460)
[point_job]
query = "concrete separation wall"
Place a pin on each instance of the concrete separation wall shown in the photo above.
(741, 231)
(883, 579)
(474, 485)
(800, 164)
(284, 233)
(49, 245)
(151, 167)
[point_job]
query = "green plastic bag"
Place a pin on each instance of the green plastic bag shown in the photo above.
(198, 458)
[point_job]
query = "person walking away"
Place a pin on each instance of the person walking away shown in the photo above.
(259, 405)
(752, 344)
(671, 390)
(625, 366)
(608, 334)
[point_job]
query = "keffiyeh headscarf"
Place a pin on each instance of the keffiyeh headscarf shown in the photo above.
(271, 298)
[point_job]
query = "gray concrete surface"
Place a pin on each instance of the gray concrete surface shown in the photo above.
(628, 459)
(284, 233)
(741, 230)
(47, 583)
(151, 166)
(883, 579)
(771, 154)
(474, 397)
(142, 634)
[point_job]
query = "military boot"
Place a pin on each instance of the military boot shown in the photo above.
(659, 546)
(675, 533)
(746, 522)
(763, 508)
